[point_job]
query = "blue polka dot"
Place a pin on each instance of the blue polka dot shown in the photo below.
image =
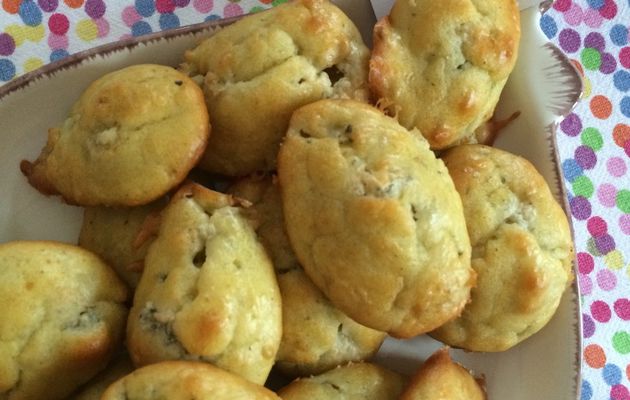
(596, 4)
(622, 80)
(548, 25)
(169, 21)
(619, 35)
(212, 17)
(625, 106)
(58, 55)
(30, 13)
(587, 391)
(146, 8)
(611, 374)
(141, 28)
(7, 70)
(571, 169)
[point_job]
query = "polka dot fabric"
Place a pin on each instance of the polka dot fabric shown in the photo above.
(594, 145)
(594, 140)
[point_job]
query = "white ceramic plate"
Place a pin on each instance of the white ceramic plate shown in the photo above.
(543, 87)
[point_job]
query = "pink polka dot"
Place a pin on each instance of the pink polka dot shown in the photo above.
(103, 27)
(607, 193)
(593, 18)
(609, 10)
(624, 223)
(574, 15)
(606, 280)
(616, 166)
(586, 285)
(165, 6)
(232, 10)
(125, 36)
(585, 263)
(622, 309)
(203, 6)
(562, 5)
(596, 226)
(58, 41)
(624, 57)
(130, 16)
(58, 24)
(600, 311)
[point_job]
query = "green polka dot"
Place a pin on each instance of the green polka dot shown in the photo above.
(623, 200)
(591, 59)
(621, 342)
(582, 186)
(256, 9)
(592, 138)
(278, 2)
(592, 248)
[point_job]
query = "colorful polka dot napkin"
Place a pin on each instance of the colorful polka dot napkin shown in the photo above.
(594, 140)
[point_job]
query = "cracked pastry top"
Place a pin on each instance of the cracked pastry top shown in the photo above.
(184, 380)
(132, 136)
(439, 377)
(208, 291)
(365, 381)
(316, 335)
(261, 68)
(521, 249)
(62, 310)
(441, 68)
(374, 218)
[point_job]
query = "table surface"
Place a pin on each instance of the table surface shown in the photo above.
(594, 140)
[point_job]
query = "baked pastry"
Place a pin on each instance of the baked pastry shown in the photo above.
(184, 380)
(263, 67)
(439, 378)
(442, 69)
(374, 218)
(116, 234)
(94, 389)
(522, 249)
(132, 136)
(352, 381)
(62, 311)
(316, 335)
(208, 291)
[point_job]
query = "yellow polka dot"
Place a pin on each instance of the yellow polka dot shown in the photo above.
(32, 64)
(614, 260)
(587, 87)
(35, 33)
(87, 30)
(17, 32)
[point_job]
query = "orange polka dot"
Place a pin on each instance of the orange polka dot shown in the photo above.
(595, 356)
(578, 66)
(11, 6)
(601, 107)
(74, 3)
(621, 134)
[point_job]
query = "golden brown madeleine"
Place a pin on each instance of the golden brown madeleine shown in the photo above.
(208, 291)
(364, 381)
(132, 136)
(117, 235)
(439, 378)
(185, 380)
(442, 69)
(263, 67)
(522, 249)
(94, 389)
(374, 218)
(316, 336)
(63, 318)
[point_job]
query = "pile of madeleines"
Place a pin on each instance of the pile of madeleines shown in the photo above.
(358, 198)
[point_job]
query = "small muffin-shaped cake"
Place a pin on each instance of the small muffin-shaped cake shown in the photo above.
(208, 290)
(522, 249)
(316, 336)
(263, 67)
(132, 136)
(442, 69)
(184, 380)
(439, 378)
(364, 381)
(94, 389)
(116, 234)
(63, 318)
(374, 218)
